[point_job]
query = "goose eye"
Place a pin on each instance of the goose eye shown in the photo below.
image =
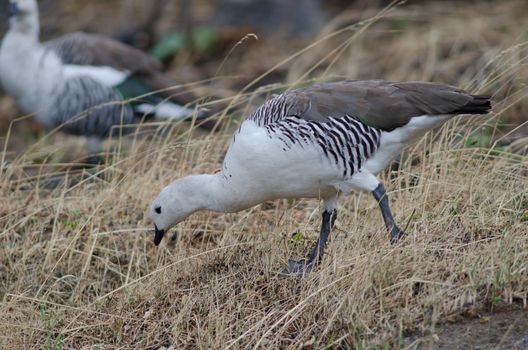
(157, 210)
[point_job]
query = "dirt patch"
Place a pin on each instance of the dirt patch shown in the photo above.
(503, 330)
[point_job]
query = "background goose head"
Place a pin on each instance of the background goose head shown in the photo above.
(23, 16)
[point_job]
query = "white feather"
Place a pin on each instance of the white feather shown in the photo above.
(258, 167)
(166, 110)
(393, 142)
(105, 75)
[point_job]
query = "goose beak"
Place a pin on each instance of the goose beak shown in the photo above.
(12, 9)
(158, 235)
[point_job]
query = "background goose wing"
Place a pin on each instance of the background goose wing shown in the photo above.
(80, 48)
(96, 50)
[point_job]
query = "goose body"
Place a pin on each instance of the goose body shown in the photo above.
(319, 142)
(267, 165)
(78, 74)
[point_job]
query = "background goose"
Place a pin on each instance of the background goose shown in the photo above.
(79, 72)
(318, 142)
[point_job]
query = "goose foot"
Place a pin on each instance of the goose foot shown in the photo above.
(298, 268)
(396, 234)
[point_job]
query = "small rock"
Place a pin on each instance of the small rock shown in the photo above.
(147, 314)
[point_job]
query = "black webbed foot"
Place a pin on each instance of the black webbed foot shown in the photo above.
(298, 268)
(302, 267)
(396, 235)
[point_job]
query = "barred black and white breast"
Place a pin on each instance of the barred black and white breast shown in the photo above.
(344, 139)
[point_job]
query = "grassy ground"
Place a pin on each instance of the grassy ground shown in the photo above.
(78, 267)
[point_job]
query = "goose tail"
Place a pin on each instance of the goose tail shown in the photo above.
(480, 104)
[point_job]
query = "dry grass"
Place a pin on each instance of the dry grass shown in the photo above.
(78, 267)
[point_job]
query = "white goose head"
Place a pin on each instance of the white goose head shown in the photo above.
(179, 200)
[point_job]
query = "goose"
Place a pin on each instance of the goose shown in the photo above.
(318, 142)
(82, 81)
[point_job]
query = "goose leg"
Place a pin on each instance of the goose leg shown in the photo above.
(302, 267)
(381, 196)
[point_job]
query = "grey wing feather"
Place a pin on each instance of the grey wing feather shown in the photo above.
(85, 107)
(377, 103)
(92, 49)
